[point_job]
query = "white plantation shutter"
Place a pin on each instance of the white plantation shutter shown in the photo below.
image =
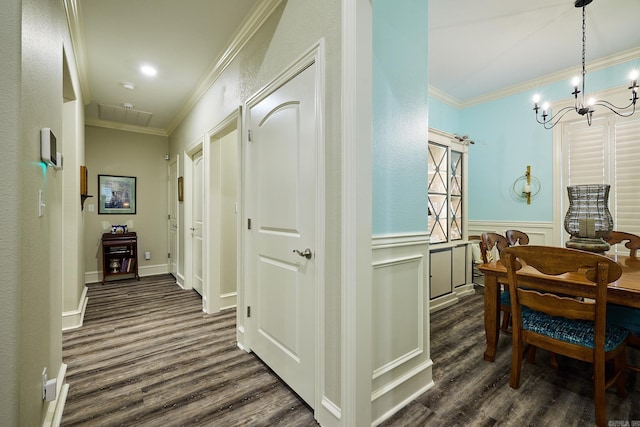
(626, 185)
(585, 153)
(607, 152)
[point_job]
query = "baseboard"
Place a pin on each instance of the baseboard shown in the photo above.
(411, 385)
(464, 290)
(443, 301)
(53, 416)
(73, 319)
(146, 270)
(228, 300)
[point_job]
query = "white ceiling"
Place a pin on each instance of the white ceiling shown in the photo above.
(476, 47)
(480, 47)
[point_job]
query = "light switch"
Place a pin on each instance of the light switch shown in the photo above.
(91, 208)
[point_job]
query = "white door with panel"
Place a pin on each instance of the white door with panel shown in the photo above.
(282, 186)
(197, 221)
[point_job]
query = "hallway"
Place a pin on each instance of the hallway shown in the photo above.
(148, 355)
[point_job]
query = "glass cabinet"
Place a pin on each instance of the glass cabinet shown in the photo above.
(445, 187)
(447, 219)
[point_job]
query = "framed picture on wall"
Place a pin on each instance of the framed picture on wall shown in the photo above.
(117, 194)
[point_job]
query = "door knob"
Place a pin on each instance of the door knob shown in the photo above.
(306, 253)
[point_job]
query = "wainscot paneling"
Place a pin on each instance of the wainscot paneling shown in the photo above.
(402, 366)
(540, 233)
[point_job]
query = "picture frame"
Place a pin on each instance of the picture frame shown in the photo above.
(180, 189)
(117, 194)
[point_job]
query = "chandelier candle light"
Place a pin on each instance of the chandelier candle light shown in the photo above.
(580, 106)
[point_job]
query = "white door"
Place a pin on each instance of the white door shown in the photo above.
(173, 217)
(197, 211)
(281, 176)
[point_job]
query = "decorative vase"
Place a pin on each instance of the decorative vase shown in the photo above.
(588, 219)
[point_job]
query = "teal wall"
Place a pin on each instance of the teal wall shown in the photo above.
(507, 139)
(400, 117)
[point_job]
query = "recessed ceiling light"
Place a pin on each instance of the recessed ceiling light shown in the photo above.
(128, 85)
(148, 70)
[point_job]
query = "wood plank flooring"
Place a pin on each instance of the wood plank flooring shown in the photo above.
(147, 355)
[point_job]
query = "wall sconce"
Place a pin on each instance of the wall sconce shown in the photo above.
(526, 186)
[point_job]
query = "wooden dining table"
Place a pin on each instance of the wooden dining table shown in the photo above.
(624, 291)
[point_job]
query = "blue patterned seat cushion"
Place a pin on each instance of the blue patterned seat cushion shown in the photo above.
(578, 332)
(505, 299)
(624, 317)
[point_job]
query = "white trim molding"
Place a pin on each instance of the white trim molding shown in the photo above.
(400, 357)
(53, 416)
(73, 319)
(540, 233)
(147, 270)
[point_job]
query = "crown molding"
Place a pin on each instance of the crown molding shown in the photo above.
(125, 127)
(76, 32)
(566, 74)
(445, 97)
(251, 24)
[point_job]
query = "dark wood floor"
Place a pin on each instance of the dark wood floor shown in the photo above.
(148, 355)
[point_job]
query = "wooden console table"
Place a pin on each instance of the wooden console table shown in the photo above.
(119, 255)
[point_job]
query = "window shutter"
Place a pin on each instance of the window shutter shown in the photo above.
(584, 148)
(626, 185)
(607, 152)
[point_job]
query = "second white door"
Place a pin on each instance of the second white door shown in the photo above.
(197, 221)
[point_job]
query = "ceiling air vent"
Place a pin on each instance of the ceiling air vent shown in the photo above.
(124, 114)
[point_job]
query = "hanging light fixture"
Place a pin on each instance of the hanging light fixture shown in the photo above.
(582, 107)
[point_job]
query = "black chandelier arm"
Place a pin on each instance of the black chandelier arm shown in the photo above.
(554, 119)
(580, 107)
(615, 109)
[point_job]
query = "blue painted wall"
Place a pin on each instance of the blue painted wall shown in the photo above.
(400, 117)
(507, 139)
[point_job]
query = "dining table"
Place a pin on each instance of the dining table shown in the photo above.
(624, 291)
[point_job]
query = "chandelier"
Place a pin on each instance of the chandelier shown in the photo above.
(580, 106)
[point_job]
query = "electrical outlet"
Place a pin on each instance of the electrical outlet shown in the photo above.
(49, 387)
(44, 383)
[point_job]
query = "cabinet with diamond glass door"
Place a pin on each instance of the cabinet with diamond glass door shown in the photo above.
(446, 174)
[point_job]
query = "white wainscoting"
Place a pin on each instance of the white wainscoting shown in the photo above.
(540, 233)
(401, 361)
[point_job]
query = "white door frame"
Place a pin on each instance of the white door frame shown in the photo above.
(173, 250)
(189, 152)
(356, 258)
(212, 246)
(314, 54)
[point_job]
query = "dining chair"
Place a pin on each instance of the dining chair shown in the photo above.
(517, 237)
(572, 327)
(491, 246)
(626, 317)
(633, 241)
(476, 255)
